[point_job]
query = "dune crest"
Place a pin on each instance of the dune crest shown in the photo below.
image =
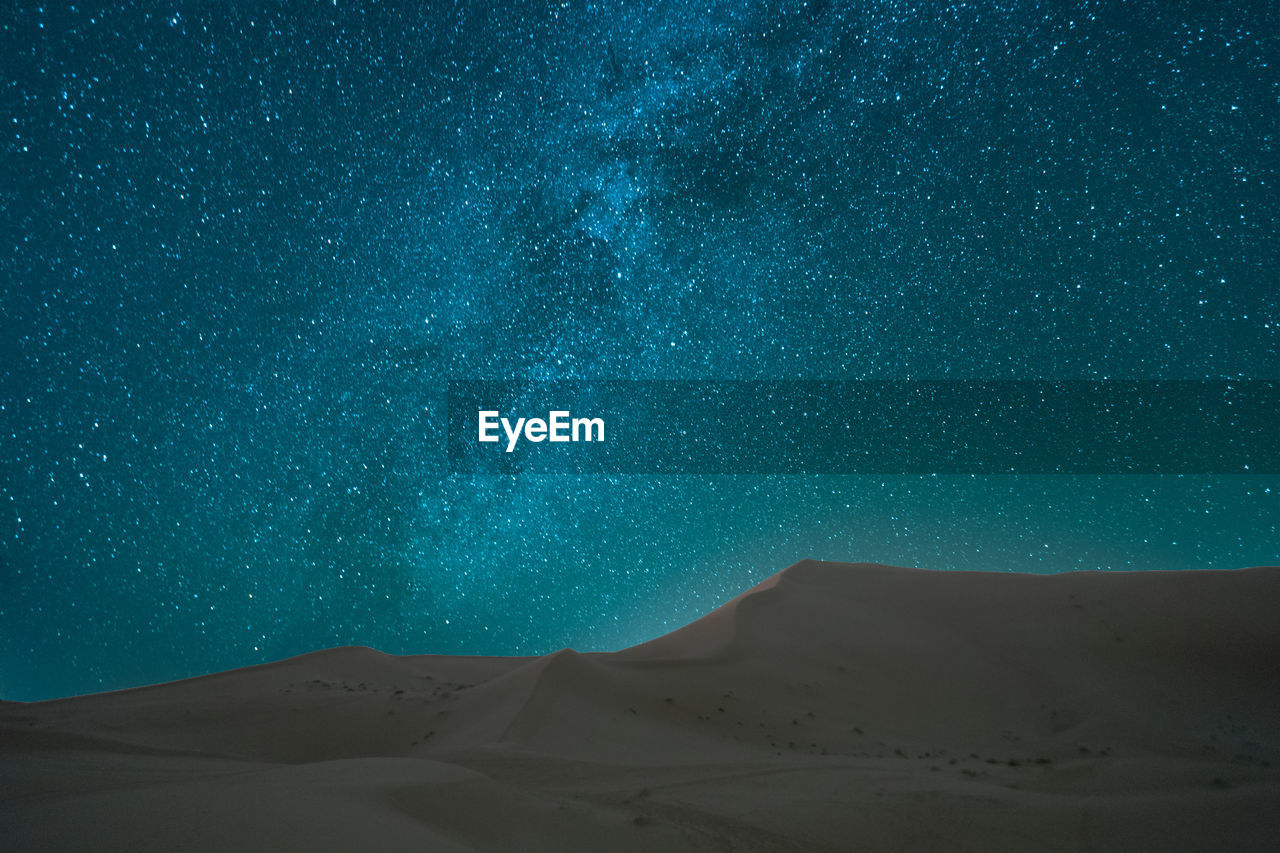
(815, 711)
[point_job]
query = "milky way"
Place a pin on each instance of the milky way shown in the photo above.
(246, 249)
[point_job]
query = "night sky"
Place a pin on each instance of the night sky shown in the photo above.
(245, 250)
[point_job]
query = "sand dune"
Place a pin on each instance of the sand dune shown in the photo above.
(833, 707)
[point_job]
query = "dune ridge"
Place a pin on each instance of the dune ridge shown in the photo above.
(833, 706)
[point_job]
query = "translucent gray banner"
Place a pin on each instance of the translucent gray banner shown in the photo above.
(864, 427)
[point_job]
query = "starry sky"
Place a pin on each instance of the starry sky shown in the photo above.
(245, 248)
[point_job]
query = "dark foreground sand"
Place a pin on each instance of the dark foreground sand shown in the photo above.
(833, 707)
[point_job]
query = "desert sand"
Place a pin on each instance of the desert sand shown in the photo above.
(835, 706)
